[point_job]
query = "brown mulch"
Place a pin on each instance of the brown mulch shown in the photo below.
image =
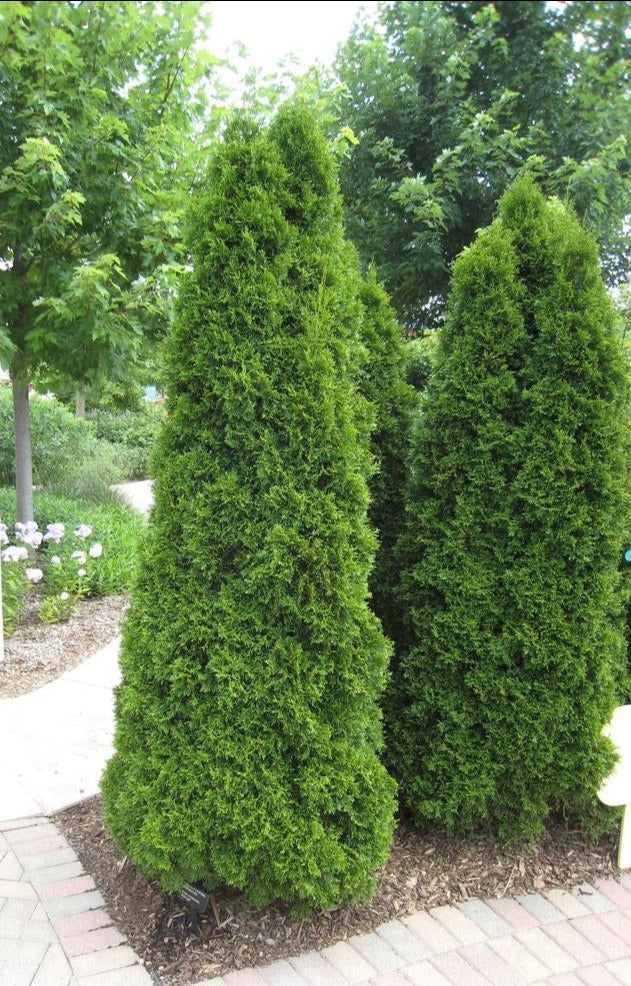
(422, 871)
(36, 652)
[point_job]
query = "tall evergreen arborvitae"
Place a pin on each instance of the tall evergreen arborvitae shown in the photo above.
(517, 510)
(393, 401)
(247, 720)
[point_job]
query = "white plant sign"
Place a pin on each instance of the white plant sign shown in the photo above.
(616, 790)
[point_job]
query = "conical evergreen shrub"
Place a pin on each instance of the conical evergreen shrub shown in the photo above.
(247, 722)
(393, 401)
(517, 509)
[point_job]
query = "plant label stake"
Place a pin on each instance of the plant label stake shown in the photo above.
(616, 790)
(197, 901)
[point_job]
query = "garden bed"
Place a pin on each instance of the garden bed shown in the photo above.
(36, 652)
(422, 872)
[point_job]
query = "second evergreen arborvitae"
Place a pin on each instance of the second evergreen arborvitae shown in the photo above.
(247, 719)
(517, 510)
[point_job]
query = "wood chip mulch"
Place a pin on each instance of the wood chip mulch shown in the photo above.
(36, 653)
(422, 872)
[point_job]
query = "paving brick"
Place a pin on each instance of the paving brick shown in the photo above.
(403, 941)
(592, 928)
(22, 823)
(19, 961)
(513, 913)
(621, 970)
(39, 845)
(244, 977)
(458, 924)
(564, 979)
(316, 970)
(75, 904)
(614, 892)
(425, 974)
(567, 903)
(597, 975)
(10, 866)
(54, 970)
(50, 858)
(519, 958)
(592, 899)
(58, 871)
(26, 833)
(456, 970)
(485, 917)
(96, 962)
(349, 963)
(131, 976)
(93, 941)
(546, 950)
(393, 978)
(38, 931)
(282, 974)
(375, 951)
(431, 932)
(74, 924)
(541, 909)
(576, 944)
(66, 888)
(14, 916)
(619, 923)
(17, 890)
(489, 964)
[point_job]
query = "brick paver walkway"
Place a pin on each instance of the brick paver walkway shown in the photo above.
(54, 931)
(53, 928)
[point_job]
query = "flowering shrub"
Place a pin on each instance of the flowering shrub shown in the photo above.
(65, 575)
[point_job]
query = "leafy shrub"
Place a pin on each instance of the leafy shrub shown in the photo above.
(132, 433)
(516, 512)
(393, 401)
(15, 585)
(118, 528)
(419, 359)
(247, 719)
(67, 457)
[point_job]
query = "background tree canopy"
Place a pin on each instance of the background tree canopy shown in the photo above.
(451, 100)
(97, 101)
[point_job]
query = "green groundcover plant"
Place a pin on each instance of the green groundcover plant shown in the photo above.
(247, 721)
(517, 510)
(104, 551)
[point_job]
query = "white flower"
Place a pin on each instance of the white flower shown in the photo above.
(19, 526)
(83, 531)
(54, 532)
(81, 572)
(35, 575)
(55, 560)
(79, 556)
(64, 596)
(14, 554)
(96, 550)
(4, 537)
(32, 538)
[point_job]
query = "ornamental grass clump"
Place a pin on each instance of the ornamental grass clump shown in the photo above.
(247, 722)
(517, 511)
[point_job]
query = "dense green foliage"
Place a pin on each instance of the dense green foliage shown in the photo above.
(517, 511)
(132, 433)
(450, 100)
(393, 401)
(98, 103)
(117, 527)
(247, 719)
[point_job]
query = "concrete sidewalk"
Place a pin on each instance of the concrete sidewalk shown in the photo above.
(54, 931)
